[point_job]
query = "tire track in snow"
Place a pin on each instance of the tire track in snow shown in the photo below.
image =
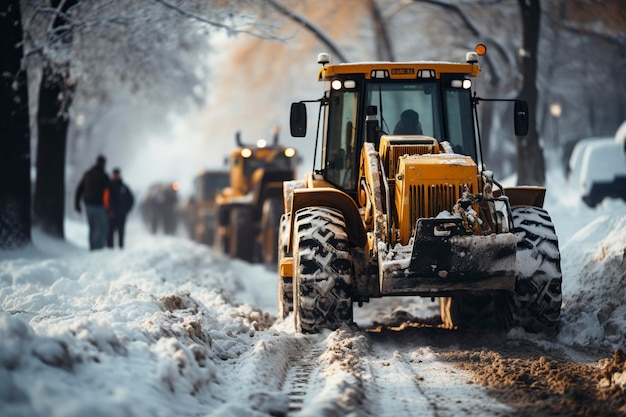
(395, 386)
(326, 379)
(409, 379)
(298, 379)
(383, 375)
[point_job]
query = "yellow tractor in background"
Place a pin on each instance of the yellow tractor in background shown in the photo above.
(159, 207)
(248, 210)
(402, 204)
(200, 209)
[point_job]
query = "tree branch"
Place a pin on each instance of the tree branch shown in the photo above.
(200, 18)
(384, 49)
(317, 32)
(194, 16)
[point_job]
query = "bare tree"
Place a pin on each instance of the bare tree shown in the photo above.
(530, 159)
(384, 46)
(15, 218)
(598, 29)
(55, 97)
(333, 47)
(91, 51)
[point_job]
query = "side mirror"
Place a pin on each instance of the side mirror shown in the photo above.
(297, 120)
(520, 118)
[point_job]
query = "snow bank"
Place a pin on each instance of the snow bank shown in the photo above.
(594, 271)
(127, 333)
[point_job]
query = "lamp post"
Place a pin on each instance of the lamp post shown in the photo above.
(555, 111)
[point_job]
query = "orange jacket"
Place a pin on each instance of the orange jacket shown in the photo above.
(105, 198)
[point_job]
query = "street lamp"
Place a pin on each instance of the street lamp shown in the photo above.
(555, 111)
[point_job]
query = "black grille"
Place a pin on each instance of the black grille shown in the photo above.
(428, 200)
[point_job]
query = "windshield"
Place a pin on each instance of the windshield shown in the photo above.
(413, 107)
(406, 108)
(210, 184)
(410, 108)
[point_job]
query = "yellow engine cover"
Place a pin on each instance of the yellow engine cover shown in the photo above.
(426, 185)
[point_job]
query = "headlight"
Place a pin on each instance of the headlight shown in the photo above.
(465, 84)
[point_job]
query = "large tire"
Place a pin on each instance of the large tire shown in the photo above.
(208, 237)
(204, 233)
(285, 284)
(241, 234)
(268, 238)
(221, 242)
(535, 304)
(322, 270)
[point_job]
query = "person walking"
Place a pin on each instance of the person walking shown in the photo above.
(91, 190)
(121, 201)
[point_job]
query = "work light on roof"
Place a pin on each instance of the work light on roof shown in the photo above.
(380, 74)
(246, 153)
(261, 143)
(323, 58)
(290, 152)
(471, 58)
(336, 84)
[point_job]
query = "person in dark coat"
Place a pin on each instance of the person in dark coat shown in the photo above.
(91, 190)
(409, 124)
(121, 200)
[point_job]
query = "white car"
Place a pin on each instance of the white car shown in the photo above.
(575, 160)
(599, 168)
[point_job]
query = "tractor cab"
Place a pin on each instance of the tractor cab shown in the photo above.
(404, 101)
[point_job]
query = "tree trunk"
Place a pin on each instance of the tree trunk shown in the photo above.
(52, 123)
(55, 98)
(15, 217)
(530, 160)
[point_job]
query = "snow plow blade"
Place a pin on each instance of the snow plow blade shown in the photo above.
(446, 258)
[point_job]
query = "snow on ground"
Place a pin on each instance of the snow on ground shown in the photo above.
(166, 327)
(593, 262)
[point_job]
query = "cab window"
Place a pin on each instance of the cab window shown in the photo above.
(459, 122)
(340, 154)
(406, 108)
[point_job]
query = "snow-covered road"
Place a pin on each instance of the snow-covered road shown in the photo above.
(167, 327)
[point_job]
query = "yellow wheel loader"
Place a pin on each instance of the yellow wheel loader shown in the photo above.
(248, 211)
(401, 204)
(200, 209)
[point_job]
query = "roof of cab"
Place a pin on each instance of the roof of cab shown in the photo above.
(398, 70)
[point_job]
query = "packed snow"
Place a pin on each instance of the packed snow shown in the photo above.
(167, 327)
